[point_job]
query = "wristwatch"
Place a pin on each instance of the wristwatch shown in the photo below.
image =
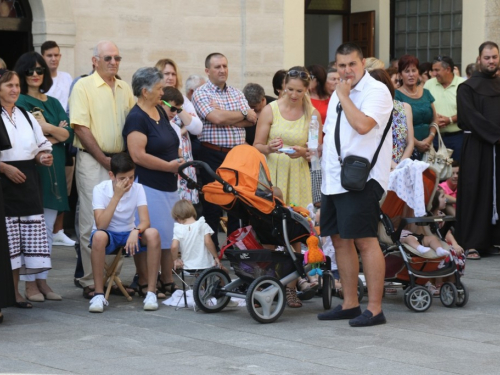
(244, 113)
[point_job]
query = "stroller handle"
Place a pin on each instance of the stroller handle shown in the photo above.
(200, 164)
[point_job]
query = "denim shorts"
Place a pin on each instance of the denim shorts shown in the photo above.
(116, 240)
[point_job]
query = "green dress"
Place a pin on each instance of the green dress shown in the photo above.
(55, 194)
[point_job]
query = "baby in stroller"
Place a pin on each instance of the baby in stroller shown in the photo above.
(425, 243)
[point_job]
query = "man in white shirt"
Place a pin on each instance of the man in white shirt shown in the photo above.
(351, 217)
(61, 82)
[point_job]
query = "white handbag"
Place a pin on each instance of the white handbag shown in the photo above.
(440, 160)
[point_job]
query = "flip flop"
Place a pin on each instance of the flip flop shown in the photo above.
(473, 254)
(23, 305)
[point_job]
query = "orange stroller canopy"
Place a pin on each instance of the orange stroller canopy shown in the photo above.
(245, 169)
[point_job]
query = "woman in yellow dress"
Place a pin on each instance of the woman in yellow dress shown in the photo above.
(284, 124)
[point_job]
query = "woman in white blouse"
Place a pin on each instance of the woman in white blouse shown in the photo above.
(26, 230)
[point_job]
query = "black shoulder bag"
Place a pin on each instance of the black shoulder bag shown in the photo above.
(355, 169)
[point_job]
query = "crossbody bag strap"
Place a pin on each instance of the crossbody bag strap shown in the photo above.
(337, 136)
(337, 131)
(386, 130)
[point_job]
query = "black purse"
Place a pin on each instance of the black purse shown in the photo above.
(355, 169)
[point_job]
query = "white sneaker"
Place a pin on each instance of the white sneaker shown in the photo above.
(60, 239)
(97, 304)
(150, 302)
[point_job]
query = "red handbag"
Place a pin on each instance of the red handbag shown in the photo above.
(243, 239)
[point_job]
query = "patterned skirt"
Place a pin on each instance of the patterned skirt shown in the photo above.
(28, 244)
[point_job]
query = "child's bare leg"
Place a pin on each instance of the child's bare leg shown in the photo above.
(413, 242)
(435, 244)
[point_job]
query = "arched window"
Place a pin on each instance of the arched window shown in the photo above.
(15, 30)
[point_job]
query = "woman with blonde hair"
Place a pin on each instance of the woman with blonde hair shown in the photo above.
(284, 124)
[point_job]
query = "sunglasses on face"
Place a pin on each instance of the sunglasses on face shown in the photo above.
(298, 73)
(108, 58)
(38, 70)
(172, 108)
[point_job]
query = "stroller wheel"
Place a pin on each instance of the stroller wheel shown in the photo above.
(418, 299)
(207, 290)
(361, 289)
(462, 295)
(448, 294)
(326, 292)
(265, 299)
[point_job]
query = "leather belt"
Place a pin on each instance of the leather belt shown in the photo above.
(215, 147)
(452, 133)
(108, 154)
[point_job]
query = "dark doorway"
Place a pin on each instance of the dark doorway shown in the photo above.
(15, 30)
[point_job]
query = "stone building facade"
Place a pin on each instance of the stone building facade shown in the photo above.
(258, 36)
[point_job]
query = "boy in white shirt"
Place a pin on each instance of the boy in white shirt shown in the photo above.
(114, 203)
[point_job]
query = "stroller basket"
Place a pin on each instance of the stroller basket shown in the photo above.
(251, 264)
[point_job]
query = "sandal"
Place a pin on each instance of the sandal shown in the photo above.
(88, 292)
(291, 298)
(23, 305)
(117, 292)
(473, 254)
(142, 293)
(167, 287)
(434, 290)
(304, 286)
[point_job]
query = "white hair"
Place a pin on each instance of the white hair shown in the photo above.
(99, 44)
(193, 82)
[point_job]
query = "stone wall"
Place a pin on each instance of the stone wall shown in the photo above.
(250, 33)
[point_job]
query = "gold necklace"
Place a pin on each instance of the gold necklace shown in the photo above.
(410, 93)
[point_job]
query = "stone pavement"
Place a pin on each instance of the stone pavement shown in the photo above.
(64, 338)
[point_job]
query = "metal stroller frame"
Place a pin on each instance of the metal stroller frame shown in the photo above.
(416, 297)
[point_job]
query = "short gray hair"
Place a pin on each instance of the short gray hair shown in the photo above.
(193, 82)
(254, 93)
(145, 78)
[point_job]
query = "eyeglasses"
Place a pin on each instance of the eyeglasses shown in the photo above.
(172, 108)
(298, 73)
(38, 70)
(108, 58)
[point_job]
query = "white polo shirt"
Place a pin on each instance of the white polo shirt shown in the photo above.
(124, 216)
(373, 99)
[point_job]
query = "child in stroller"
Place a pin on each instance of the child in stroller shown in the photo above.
(412, 268)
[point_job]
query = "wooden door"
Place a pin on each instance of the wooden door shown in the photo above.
(360, 29)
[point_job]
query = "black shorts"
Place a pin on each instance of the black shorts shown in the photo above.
(354, 214)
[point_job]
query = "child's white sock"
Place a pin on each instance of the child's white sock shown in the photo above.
(442, 252)
(422, 249)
